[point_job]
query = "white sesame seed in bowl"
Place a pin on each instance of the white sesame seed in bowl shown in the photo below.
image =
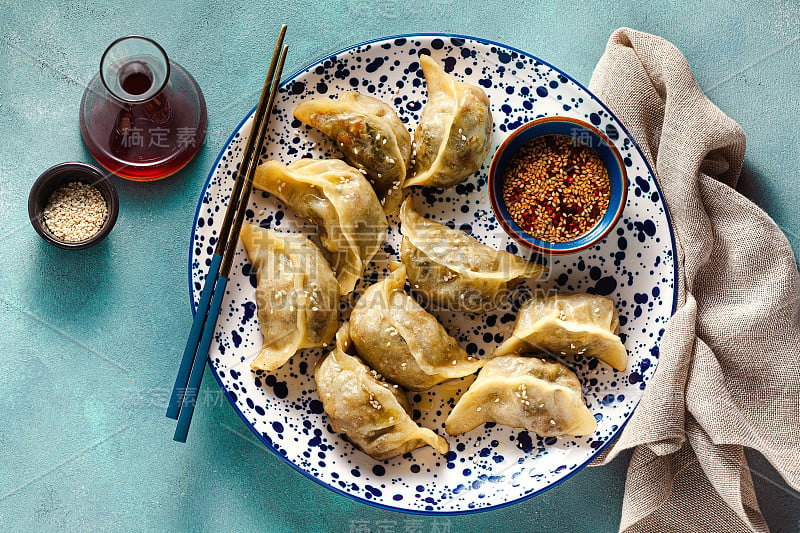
(75, 212)
(73, 205)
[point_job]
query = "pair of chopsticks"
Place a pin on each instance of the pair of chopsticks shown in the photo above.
(190, 374)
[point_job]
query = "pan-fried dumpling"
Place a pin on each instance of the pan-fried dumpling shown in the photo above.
(524, 392)
(371, 137)
(455, 130)
(297, 295)
(338, 198)
(373, 414)
(569, 324)
(452, 270)
(402, 341)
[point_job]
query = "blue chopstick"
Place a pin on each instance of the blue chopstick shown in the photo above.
(199, 364)
(176, 398)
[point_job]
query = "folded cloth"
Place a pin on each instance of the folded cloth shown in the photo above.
(728, 373)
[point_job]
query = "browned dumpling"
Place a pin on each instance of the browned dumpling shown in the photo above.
(455, 130)
(450, 269)
(337, 198)
(402, 341)
(297, 295)
(524, 392)
(371, 137)
(373, 414)
(569, 324)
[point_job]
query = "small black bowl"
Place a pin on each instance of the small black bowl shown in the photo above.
(61, 174)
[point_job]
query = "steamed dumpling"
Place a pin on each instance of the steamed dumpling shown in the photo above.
(524, 392)
(371, 137)
(569, 324)
(402, 341)
(336, 197)
(455, 130)
(297, 295)
(452, 270)
(373, 414)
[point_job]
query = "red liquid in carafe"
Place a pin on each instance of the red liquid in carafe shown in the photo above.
(150, 140)
(137, 83)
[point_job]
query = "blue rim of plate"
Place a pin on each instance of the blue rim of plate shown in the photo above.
(233, 402)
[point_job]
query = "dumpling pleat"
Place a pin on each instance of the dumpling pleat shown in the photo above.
(371, 137)
(296, 295)
(402, 341)
(373, 414)
(450, 269)
(569, 324)
(455, 130)
(524, 392)
(339, 200)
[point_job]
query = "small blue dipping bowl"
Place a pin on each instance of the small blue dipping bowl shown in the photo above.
(586, 134)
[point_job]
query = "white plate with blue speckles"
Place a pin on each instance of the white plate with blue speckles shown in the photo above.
(493, 465)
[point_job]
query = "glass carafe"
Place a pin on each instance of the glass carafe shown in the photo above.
(143, 117)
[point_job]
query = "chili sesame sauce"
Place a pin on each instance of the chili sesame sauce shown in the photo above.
(556, 188)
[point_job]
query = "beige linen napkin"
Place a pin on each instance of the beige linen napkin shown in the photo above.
(728, 372)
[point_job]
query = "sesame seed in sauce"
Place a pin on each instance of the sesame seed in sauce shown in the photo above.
(555, 188)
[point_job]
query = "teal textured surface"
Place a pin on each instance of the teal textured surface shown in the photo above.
(91, 340)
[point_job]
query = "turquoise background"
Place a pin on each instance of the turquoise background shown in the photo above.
(90, 341)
